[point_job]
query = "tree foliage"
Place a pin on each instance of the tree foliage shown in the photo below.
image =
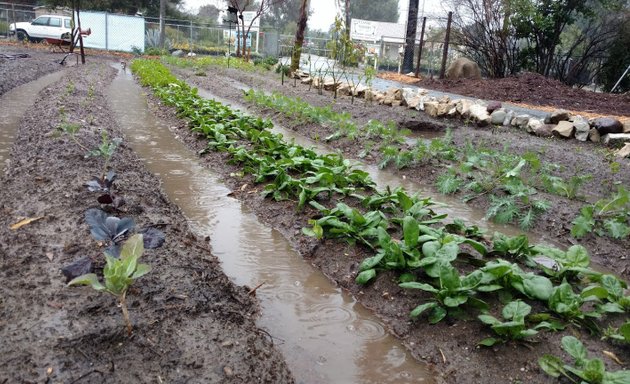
(283, 16)
(484, 32)
(564, 39)
(209, 12)
(384, 10)
(128, 7)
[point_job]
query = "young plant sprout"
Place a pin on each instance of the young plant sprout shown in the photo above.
(119, 274)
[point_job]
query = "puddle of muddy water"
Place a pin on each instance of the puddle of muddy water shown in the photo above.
(13, 104)
(325, 335)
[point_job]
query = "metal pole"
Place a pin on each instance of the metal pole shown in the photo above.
(446, 41)
(106, 33)
(191, 40)
(257, 39)
(424, 22)
(621, 78)
(229, 42)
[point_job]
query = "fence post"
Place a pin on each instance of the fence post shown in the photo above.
(424, 22)
(446, 40)
(106, 32)
(191, 39)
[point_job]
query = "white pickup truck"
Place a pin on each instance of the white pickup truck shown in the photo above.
(53, 27)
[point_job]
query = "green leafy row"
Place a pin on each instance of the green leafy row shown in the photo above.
(451, 262)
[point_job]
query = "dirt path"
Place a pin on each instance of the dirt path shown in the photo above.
(191, 324)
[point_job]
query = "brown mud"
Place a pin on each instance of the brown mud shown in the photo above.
(450, 347)
(191, 323)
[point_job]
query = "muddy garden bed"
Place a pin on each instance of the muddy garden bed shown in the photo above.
(191, 322)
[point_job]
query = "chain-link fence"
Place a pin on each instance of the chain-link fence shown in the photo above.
(383, 42)
(13, 13)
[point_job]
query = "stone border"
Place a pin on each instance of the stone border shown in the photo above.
(559, 123)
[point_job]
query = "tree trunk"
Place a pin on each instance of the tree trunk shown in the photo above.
(348, 19)
(299, 36)
(410, 36)
(162, 27)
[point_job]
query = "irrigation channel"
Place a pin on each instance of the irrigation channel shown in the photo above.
(325, 335)
(13, 104)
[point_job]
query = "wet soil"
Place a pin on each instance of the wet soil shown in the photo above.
(191, 323)
(528, 89)
(450, 347)
(572, 157)
(48, 325)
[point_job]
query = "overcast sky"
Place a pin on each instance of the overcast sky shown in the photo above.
(323, 10)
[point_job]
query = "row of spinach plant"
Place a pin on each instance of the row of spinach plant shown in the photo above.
(455, 264)
(511, 182)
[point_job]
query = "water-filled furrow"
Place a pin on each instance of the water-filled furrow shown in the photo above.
(325, 335)
(13, 104)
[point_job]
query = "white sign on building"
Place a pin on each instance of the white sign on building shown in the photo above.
(363, 30)
(248, 17)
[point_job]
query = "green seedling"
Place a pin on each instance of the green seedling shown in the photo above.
(621, 334)
(119, 274)
(585, 370)
(451, 292)
(514, 327)
(607, 217)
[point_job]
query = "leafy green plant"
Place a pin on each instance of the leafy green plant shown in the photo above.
(70, 87)
(569, 189)
(587, 370)
(621, 334)
(451, 292)
(119, 274)
(514, 327)
(609, 216)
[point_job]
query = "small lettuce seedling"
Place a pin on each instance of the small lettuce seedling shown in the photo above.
(119, 274)
(514, 327)
(591, 371)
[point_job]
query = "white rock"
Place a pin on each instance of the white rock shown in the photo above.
(581, 127)
(624, 152)
(532, 124)
(508, 118)
(520, 121)
(616, 140)
(431, 108)
(498, 116)
(563, 129)
(480, 114)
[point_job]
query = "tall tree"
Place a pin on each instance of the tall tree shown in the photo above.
(299, 36)
(283, 16)
(259, 8)
(410, 36)
(483, 30)
(129, 7)
(382, 10)
(345, 8)
(162, 26)
(541, 23)
(209, 12)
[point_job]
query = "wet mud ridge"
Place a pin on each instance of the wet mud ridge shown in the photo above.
(190, 323)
